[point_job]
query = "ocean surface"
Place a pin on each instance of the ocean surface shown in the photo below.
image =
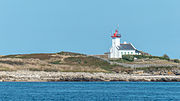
(90, 91)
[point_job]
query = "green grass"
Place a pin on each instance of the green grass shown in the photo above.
(130, 58)
(51, 70)
(44, 69)
(88, 61)
(12, 62)
(146, 69)
(41, 56)
(36, 56)
(56, 62)
(6, 69)
(70, 53)
(150, 57)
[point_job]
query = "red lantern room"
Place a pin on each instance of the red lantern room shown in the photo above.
(116, 35)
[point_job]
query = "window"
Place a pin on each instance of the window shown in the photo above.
(128, 52)
(124, 52)
(131, 52)
(121, 52)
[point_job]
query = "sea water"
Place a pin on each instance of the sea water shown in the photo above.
(90, 91)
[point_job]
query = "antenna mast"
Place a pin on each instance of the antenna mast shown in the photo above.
(117, 26)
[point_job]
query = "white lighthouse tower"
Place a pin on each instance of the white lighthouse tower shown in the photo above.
(118, 49)
(114, 52)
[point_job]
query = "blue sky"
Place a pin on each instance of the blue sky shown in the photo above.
(85, 26)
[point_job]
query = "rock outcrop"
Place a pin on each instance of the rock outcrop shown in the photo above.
(80, 76)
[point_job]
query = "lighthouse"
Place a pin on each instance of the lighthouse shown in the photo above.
(118, 49)
(115, 44)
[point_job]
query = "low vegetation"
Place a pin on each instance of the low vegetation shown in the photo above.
(88, 61)
(164, 57)
(74, 62)
(12, 62)
(176, 60)
(6, 69)
(128, 58)
(131, 58)
(54, 62)
(31, 56)
(70, 54)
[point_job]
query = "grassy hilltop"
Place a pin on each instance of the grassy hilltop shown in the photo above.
(54, 62)
(75, 62)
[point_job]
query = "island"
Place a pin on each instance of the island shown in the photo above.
(70, 66)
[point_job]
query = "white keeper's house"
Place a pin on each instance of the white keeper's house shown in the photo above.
(118, 49)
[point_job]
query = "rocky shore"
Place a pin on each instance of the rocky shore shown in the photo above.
(41, 76)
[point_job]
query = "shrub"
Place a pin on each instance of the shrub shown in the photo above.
(120, 60)
(139, 56)
(35, 69)
(56, 62)
(166, 57)
(51, 70)
(128, 57)
(176, 60)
